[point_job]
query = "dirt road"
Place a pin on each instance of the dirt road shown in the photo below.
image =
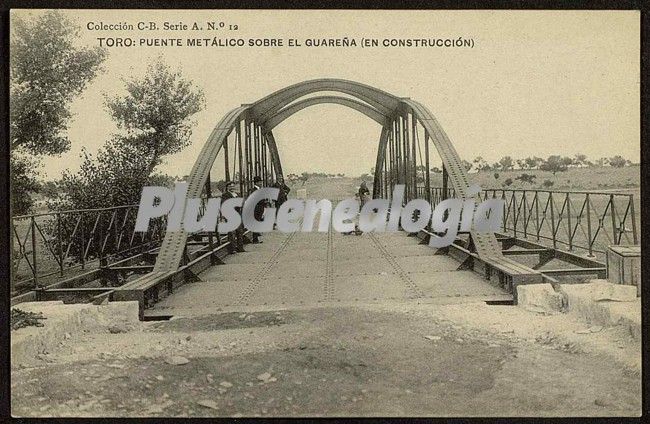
(399, 358)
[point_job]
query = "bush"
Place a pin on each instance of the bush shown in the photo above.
(527, 178)
(555, 164)
(114, 178)
(617, 161)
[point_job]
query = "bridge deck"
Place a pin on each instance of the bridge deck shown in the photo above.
(302, 269)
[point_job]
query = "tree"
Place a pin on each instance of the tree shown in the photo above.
(467, 165)
(507, 182)
(567, 161)
(506, 163)
(548, 183)
(602, 162)
(47, 71)
(617, 161)
(554, 164)
(155, 114)
(521, 163)
(23, 182)
(114, 177)
(480, 164)
(533, 162)
(49, 189)
(579, 159)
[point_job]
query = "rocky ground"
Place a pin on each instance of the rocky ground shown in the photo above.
(394, 358)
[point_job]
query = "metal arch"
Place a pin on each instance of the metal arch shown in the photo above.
(271, 104)
(273, 148)
(486, 244)
(285, 113)
(450, 158)
(269, 107)
(381, 157)
(209, 152)
(171, 250)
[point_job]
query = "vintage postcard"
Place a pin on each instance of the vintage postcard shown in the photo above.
(325, 213)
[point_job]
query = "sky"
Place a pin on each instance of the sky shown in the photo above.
(535, 82)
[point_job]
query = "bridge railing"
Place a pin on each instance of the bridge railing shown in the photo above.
(585, 221)
(49, 246)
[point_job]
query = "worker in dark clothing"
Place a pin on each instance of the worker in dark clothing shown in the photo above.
(235, 238)
(364, 193)
(284, 191)
(258, 213)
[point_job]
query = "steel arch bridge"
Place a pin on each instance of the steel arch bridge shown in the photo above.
(248, 132)
(243, 141)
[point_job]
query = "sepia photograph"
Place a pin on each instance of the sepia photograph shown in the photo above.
(324, 213)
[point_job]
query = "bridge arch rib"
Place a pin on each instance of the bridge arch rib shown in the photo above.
(380, 100)
(288, 111)
(398, 147)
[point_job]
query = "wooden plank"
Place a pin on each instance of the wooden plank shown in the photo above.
(524, 252)
(573, 271)
(510, 266)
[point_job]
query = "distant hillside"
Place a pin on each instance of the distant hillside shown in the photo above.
(574, 179)
(596, 178)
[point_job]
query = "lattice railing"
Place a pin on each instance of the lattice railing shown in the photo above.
(58, 244)
(572, 220)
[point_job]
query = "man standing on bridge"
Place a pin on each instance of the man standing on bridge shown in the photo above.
(259, 207)
(234, 237)
(284, 191)
(364, 192)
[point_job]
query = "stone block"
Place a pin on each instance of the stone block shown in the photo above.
(539, 298)
(604, 290)
(119, 312)
(582, 303)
